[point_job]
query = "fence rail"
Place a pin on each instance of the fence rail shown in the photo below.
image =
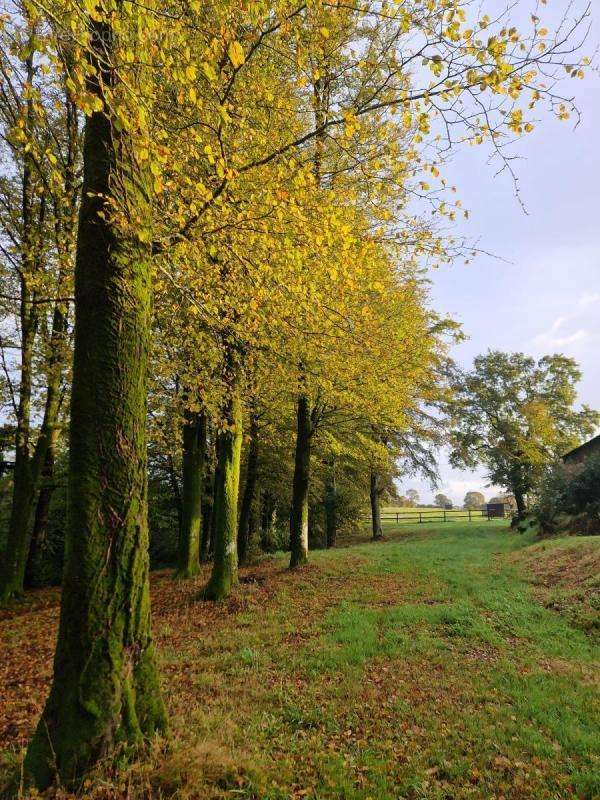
(441, 516)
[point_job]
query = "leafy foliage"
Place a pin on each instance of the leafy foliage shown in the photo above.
(517, 417)
(473, 500)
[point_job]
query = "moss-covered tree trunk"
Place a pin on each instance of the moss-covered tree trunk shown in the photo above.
(207, 507)
(248, 498)
(105, 689)
(174, 481)
(194, 449)
(225, 511)
(27, 481)
(299, 511)
(268, 521)
(212, 535)
(253, 522)
(42, 513)
(375, 507)
(331, 503)
(14, 558)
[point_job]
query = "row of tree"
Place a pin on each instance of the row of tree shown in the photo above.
(213, 235)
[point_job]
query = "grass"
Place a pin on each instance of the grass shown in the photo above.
(426, 666)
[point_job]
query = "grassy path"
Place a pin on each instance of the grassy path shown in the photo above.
(422, 667)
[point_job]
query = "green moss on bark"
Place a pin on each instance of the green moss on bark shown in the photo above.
(227, 477)
(194, 448)
(248, 506)
(105, 688)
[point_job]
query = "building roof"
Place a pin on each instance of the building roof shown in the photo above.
(595, 442)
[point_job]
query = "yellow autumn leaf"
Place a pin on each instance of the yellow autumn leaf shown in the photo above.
(235, 51)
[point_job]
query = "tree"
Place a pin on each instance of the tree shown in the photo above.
(413, 497)
(38, 204)
(474, 501)
(105, 686)
(442, 500)
(516, 416)
(306, 420)
(248, 507)
(225, 509)
(193, 456)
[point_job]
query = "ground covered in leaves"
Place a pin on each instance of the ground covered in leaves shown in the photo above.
(428, 666)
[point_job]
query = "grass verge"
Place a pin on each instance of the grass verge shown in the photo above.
(426, 666)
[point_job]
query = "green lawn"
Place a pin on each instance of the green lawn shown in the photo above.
(424, 667)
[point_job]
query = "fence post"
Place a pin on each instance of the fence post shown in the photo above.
(420, 517)
(469, 515)
(444, 515)
(397, 518)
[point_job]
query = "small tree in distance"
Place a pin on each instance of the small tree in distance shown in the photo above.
(442, 500)
(412, 497)
(474, 501)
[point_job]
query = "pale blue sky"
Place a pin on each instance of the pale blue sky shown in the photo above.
(547, 298)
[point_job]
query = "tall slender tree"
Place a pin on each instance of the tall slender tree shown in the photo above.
(105, 687)
(40, 134)
(194, 452)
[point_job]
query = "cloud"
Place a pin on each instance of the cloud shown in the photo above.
(589, 299)
(558, 323)
(458, 488)
(551, 341)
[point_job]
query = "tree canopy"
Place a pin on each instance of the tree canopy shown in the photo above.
(516, 416)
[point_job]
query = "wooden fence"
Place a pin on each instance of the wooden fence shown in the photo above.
(442, 515)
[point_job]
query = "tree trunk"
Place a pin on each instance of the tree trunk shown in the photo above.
(29, 469)
(225, 510)
(207, 516)
(375, 509)
(213, 517)
(105, 688)
(268, 514)
(299, 512)
(248, 499)
(42, 511)
(194, 448)
(14, 558)
(253, 522)
(330, 511)
(520, 501)
(176, 492)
